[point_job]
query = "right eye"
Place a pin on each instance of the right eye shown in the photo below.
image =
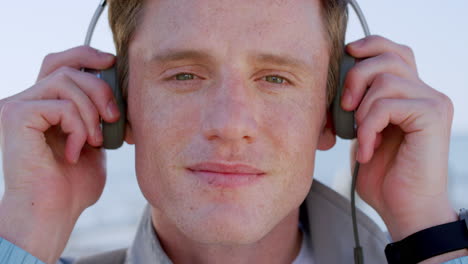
(184, 76)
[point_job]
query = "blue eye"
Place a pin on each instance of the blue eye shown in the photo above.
(275, 79)
(184, 76)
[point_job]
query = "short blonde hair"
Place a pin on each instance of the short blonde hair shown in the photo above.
(125, 15)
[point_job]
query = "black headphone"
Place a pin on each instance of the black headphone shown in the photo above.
(343, 121)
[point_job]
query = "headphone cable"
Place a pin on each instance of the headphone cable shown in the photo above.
(358, 255)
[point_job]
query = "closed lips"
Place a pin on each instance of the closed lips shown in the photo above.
(225, 168)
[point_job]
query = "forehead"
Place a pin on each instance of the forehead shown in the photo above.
(227, 27)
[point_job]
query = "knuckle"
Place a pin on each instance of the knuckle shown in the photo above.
(393, 57)
(62, 73)
(10, 112)
(49, 58)
(69, 107)
(431, 103)
(10, 108)
(379, 105)
(445, 104)
(383, 80)
(66, 70)
(408, 51)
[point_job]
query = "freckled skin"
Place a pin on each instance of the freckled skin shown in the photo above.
(229, 114)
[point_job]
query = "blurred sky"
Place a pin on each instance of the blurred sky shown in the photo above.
(436, 30)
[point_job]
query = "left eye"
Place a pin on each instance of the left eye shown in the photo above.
(184, 76)
(274, 79)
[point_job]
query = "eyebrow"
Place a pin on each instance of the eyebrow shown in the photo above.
(280, 60)
(174, 55)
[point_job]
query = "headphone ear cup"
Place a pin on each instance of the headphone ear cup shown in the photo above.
(343, 121)
(114, 133)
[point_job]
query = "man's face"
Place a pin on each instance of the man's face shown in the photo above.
(232, 82)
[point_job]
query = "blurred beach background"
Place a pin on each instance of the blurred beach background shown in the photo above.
(436, 30)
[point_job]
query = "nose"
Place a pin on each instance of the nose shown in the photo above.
(231, 114)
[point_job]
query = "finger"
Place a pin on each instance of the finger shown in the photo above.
(39, 116)
(375, 45)
(390, 86)
(402, 113)
(98, 91)
(91, 95)
(360, 77)
(63, 87)
(78, 57)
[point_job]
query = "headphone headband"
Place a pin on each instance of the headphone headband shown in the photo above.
(362, 18)
(94, 20)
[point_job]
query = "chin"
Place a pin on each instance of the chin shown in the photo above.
(226, 227)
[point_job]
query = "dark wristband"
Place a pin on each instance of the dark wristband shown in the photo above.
(429, 242)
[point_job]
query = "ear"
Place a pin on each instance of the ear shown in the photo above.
(129, 134)
(327, 138)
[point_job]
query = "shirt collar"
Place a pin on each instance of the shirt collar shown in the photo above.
(146, 247)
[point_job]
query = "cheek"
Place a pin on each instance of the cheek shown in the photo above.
(160, 119)
(162, 127)
(291, 130)
(294, 128)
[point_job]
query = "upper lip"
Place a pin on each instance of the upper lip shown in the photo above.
(225, 168)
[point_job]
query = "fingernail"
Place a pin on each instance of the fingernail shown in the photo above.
(76, 159)
(112, 109)
(98, 134)
(347, 98)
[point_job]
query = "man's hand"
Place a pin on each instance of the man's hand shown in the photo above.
(403, 137)
(51, 174)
